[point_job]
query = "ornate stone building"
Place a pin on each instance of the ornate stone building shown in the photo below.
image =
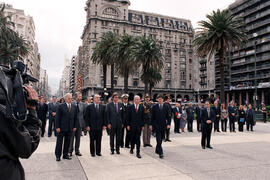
(174, 34)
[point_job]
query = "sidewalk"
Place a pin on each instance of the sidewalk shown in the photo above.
(235, 156)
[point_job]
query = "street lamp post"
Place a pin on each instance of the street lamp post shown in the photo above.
(255, 73)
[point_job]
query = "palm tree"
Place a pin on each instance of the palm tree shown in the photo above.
(12, 45)
(125, 58)
(103, 54)
(149, 54)
(220, 32)
(155, 77)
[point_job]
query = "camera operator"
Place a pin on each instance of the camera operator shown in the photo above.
(18, 139)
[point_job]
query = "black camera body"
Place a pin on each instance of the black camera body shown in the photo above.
(13, 96)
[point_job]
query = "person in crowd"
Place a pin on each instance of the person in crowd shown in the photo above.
(232, 116)
(190, 117)
(80, 106)
(66, 123)
(245, 108)
(115, 122)
(224, 117)
(42, 110)
(160, 121)
(217, 111)
(198, 111)
(183, 119)
(52, 108)
(147, 111)
(263, 110)
(95, 115)
(177, 116)
(167, 102)
(135, 124)
(241, 119)
(62, 100)
(208, 117)
(250, 118)
(89, 100)
(124, 109)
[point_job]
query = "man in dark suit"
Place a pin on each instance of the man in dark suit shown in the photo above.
(250, 117)
(135, 124)
(80, 124)
(95, 123)
(208, 117)
(232, 116)
(66, 119)
(177, 115)
(52, 107)
(167, 102)
(160, 121)
(147, 104)
(124, 118)
(217, 110)
(198, 116)
(42, 110)
(190, 117)
(115, 123)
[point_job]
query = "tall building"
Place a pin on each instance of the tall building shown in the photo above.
(64, 86)
(72, 76)
(248, 67)
(43, 88)
(174, 34)
(24, 25)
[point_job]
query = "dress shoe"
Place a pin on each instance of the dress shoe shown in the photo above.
(112, 153)
(169, 140)
(58, 159)
(93, 155)
(67, 158)
(209, 147)
(149, 145)
(139, 156)
(127, 147)
(203, 147)
(70, 154)
(131, 151)
(78, 154)
(161, 156)
(145, 145)
(117, 152)
(98, 154)
(49, 135)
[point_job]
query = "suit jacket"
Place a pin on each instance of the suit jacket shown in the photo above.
(217, 111)
(175, 112)
(198, 111)
(95, 118)
(250, 116)
(135, 119)
(205, 117)
(80, 106)
(232, 110)
(66, 120)
(42, 111)
(160, 117)
(114, 117)
(124, 112)
(190, 114)
(52, 108)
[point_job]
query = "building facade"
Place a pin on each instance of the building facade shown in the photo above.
(43, 87)
(248, 66)
(174, 34)
(64, 86)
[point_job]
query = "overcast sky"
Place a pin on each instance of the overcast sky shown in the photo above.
(59, 24)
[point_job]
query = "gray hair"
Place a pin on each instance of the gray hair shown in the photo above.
(137, 96)
(96, 95)
(66, 95)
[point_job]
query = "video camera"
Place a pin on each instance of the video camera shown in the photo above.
(13, 95)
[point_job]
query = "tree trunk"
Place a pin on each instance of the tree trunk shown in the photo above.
(222, 80)
(104, 76)
(146, 89)
(150, 90)
(126, 81)
(112, 78)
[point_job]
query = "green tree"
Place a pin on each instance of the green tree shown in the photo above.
(154, 78)
(125, 58)
(220, 32)
(149, 54)
(103, 54)
(12, 45)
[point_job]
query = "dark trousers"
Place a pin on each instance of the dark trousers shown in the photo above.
(216, 124)
(115, 133)
(224, 125)
(95, 141)
(176, 125)
(77, 136)
(159, 137)
(241, 127)
(167, 134)
(135, 137)
(190, 126)
(264, 117)
(249, 124)
(51, 126)
(43, 126)
(125, 141)
(62, 136)
(206, 135)
(199, 125)
(232, 124)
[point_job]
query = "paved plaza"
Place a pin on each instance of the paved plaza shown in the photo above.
(235, 156)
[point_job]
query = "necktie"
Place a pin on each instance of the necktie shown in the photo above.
(69, 107)
(208, 110)
(97, 106)
(160, 106)
(137, 107)
(116, 107)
